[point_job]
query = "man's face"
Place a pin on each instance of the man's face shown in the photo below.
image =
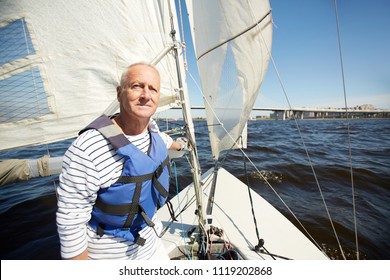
(140, 95)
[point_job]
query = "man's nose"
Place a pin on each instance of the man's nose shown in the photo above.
(146, 93)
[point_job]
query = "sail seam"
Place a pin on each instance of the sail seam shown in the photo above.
(234, 37)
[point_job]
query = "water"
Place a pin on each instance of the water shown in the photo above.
(27, 209)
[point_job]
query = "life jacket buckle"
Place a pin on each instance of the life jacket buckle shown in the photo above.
(100, 229)
(158, 172)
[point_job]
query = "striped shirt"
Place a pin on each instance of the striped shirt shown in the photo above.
(91, 164)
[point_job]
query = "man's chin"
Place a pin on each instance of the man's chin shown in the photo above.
(145, 112)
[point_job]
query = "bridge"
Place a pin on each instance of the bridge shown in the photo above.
(316, 113)
(323, 113)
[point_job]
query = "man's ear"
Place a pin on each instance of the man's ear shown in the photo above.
(118, 91)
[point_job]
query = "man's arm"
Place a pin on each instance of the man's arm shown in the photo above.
(175, 146)
(82, 256)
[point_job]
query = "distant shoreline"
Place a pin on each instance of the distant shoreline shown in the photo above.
(322, 119)
(271, 119)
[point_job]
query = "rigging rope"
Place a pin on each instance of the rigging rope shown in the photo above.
(260, 242)
(348, 129)
(182, 36)
(305, 148)
(260, 173)
(190, 134)
(304, 145)
(178, 200)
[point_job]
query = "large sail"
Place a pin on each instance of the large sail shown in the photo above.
(60, 62)
(232, 41)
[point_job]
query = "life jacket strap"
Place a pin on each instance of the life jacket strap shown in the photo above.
(109, 130)
(151, 176)
(138, 240)
(146, 217)
(114, 209)
(123, 209)
(171, 211)
(134, 206)
(100, 229)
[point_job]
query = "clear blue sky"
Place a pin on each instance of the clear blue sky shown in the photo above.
(305, 50)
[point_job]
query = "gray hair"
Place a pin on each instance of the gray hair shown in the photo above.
(126, 71)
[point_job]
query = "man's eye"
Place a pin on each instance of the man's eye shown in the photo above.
(153, 90)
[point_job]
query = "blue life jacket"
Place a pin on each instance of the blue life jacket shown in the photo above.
(128, 205)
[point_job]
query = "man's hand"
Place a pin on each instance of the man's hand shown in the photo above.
(184, 144)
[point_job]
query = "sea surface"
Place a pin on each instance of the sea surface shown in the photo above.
(27, 209)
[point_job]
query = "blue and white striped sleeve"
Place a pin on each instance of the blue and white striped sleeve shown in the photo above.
(77, 192)
(165, 137)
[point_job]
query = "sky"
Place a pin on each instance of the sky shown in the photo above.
(306, 55)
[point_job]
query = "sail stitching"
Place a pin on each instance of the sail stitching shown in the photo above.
(236, 36)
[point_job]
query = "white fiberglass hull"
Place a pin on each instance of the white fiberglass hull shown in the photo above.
(232, 213)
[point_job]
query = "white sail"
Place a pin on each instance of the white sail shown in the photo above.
(56, 76)
(232, 41)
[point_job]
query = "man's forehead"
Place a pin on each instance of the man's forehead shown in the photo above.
(144, 73)
(144, 68)
(151, 77)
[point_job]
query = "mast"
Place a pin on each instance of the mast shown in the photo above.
(189, 125)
